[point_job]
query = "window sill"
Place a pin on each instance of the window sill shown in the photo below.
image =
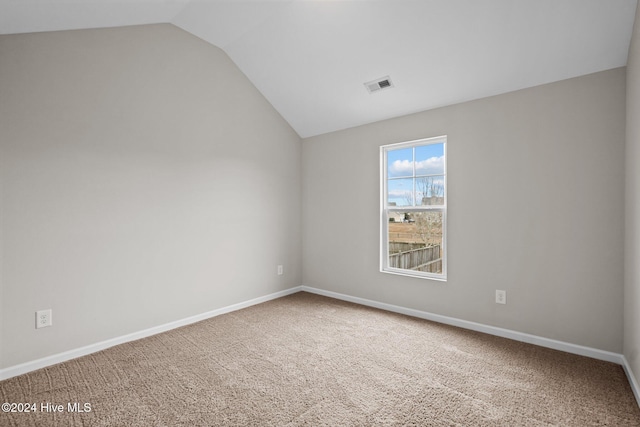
(418, 275)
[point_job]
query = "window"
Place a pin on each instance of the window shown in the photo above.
(414, 208)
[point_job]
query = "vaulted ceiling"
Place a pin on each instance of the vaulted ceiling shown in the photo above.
(311, 58)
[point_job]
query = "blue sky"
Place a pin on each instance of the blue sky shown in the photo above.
(429, 161)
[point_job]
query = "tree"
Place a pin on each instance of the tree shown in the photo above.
(429, 224)
(429, 227)
(431, 189)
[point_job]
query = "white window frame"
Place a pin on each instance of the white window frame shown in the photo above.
(385, 209)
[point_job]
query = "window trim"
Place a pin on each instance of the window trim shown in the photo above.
(384, 209)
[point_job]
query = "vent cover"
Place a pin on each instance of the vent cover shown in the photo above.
(379, 84)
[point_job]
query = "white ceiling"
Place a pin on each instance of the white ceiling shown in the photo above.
(310, 58)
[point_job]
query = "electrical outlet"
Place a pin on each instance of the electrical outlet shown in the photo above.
(43, 318)
(280, 270)
(501, 297)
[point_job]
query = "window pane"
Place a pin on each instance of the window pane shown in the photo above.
(400, 162)
(414, 208)
(415, 243)
(400, 192)
(430, 159)
(430, 190)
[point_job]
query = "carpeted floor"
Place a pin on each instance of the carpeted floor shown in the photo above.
(307, 360)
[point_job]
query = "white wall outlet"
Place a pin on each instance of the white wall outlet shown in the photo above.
(280, 270)
(501, 297)
(43, 318)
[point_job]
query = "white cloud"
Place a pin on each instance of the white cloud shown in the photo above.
(401, 168)
(396, 194)
(430, 166)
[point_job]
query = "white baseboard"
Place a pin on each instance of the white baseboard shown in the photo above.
(608, 356)
(594, 353)
(24, 368)
(632, 379)
(491, 330)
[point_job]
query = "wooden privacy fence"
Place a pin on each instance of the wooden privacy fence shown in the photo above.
(422, 259)
(395, 247)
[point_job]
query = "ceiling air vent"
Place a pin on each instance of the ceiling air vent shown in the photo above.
(379, 84)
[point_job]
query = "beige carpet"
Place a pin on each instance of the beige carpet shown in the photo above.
(310, 360)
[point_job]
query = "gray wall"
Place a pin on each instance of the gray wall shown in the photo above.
(535, 207)
(144, 180)
(632, 207)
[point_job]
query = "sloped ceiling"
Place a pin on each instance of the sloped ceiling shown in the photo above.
(311, 58)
